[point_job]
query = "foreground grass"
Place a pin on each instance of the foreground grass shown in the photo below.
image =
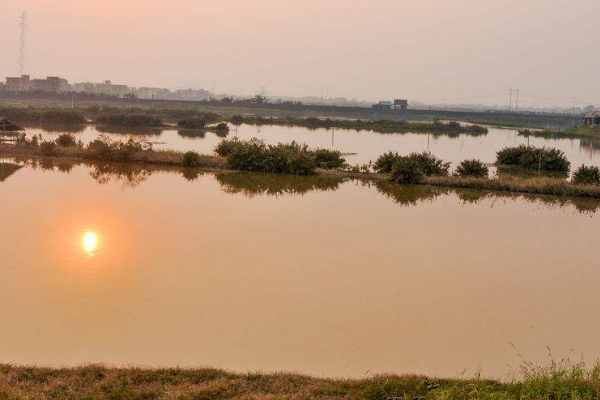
(98, 382)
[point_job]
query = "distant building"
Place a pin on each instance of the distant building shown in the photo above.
(52, 84)
(22, 84)
(592, 118)
(383, 105)
(400, 104)
(106, 88)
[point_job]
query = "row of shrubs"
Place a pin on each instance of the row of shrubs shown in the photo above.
(413, 169)
(102, 148)
(282, 158)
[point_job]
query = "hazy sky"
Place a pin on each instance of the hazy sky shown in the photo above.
(429, 50)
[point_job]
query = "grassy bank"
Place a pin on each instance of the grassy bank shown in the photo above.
(97, 382)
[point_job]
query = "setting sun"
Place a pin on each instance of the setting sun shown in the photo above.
(90, 242)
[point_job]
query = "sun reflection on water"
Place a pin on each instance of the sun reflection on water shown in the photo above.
(90, 243)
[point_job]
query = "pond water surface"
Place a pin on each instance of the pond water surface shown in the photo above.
(251, 272)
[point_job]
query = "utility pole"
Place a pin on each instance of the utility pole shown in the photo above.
(517, 103)
(23, 25)
(510, 91)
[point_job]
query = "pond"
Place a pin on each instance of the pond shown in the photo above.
(164, 267)
(364, 146)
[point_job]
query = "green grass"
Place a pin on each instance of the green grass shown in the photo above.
(587, 132)
(558, 381)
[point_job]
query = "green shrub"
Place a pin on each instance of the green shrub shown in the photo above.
(289, 158)
(472, 168)
(47, 148)
(226, 147)
(130, 120)
(529, 157)
(430, 165)
(587, 175)
(407, 170)
(192, 123)
(66, 140)
(222, 127)
(191, 159)
(328, 159)
(236, 120)
(385, 162)
(247, 156)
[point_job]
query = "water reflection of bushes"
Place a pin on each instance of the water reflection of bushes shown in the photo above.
(130, 175)
(7, 169)
(257, 184)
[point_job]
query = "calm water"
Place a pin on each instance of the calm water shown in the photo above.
(365, 145)
(254, 272)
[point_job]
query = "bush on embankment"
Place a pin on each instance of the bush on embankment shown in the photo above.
(284, 158)
(529, 157)
(472, 168)
(413, 169)
(587, 176)
(129, 120)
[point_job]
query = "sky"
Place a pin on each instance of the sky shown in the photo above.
(436, 51)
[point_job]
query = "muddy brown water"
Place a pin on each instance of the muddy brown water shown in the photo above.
(125, 266)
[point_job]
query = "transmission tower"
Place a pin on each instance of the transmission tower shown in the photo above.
(23, 25)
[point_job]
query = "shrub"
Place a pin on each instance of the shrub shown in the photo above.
(106, 149)
(236, 120)
(66, 140)
(289, 158)
(385, 162)
(247, 156)
(472, 168)
(529, 157)
(430, 165)
(191, 159)
(407, 170)
(328, 159)
(226, 147)
(587, 175)
(101, 147)
(130, 120)
(192, 123)
(47, 148)
(222, 127)
(255, 155)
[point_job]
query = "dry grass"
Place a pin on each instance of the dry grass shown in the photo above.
(547, 186)
(159, 157)
(559, 381)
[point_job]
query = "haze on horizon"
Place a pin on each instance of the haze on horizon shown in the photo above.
(442, 51)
